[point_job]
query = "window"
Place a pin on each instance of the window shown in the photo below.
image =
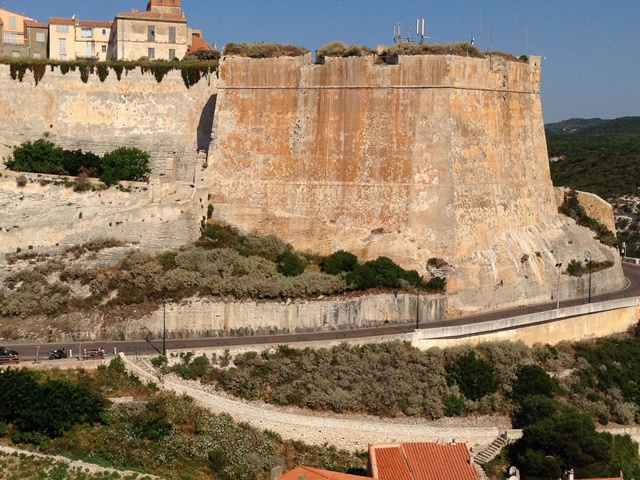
(37, 55)
(172, 34)
(152, 54)
(63, 57)
(172, 53)
(104, 31)
(88, 52)
(62, 45)
(62, 28)
(10, 38)
(104, 49)
(151, 33)
(40, 37)
(12, 23)
(15, 54)
(87, 32)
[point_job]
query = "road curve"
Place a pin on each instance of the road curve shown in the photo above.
(29, 351)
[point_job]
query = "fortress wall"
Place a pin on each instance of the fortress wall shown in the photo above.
(165, 119)
(435, 156)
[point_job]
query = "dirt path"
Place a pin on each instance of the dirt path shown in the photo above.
(344, 431)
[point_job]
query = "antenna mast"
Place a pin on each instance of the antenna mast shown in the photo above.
(420, 29)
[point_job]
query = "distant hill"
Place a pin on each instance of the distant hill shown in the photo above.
(595, 155)
(572, 125)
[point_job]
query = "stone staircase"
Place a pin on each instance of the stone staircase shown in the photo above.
(492, 450)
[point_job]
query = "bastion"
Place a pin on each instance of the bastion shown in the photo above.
(434, 156)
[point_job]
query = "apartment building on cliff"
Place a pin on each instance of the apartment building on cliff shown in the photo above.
(160, 32)
(75, 39)
(13, 33)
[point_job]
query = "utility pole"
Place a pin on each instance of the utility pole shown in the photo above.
(558, 266)
(587, 258)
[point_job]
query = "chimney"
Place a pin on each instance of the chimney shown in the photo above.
(302, 476)
(276, 472)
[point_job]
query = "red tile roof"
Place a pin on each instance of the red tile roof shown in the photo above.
(33, 23)
(421, 461)
(94, 23)
(197, 43)
(61, 21)
(317, 474)
(160, 16)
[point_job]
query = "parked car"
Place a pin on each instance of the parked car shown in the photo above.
(9, 356)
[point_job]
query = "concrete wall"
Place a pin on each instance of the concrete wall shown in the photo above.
(570, 324)
(202, 317)
(165, 119)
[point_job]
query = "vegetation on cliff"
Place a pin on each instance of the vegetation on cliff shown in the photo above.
(601, 157)
(192, 67)
(339, 49)
(158, 433)
(222, 263)
(571, 208)
(556, 393)
(42, 156)
(394, 379)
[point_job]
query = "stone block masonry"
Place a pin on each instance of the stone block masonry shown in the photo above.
(165, 119)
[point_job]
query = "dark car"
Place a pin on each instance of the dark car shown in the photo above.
(8, 356)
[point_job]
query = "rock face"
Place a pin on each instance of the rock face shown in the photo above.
(436, 156)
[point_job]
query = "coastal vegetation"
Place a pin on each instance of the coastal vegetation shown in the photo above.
(66, 412)
(42, 156)
(223, 262)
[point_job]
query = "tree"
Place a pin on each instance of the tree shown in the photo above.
(290, 264)
(532, 380)
(40, 156)
(475, 376)
(338, 262)
(125, 163)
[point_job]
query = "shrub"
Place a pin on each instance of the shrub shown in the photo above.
(21, 181)
(475, 376)
(338, 262)
(125, 163)
(382, 272)
(532, 380)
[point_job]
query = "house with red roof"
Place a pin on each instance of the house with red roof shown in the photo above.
(75, 39)
(421, 461)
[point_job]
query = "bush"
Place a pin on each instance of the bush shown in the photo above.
(338, 262)
(125, 163)
(532, 380)
(382, 272)
(474, 376)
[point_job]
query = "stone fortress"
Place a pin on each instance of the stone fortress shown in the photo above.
(432, 156)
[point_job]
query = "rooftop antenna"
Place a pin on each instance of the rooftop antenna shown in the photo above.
(420, 29)
(397, 32)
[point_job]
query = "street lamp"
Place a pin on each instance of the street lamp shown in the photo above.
(558, 266)
(417, 310)
(587, 258)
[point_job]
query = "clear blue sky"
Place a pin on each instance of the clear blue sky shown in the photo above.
(592, 47)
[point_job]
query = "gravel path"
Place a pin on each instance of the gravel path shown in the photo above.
(350, 432)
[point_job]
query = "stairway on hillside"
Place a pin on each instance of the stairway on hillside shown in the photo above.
(492, 450)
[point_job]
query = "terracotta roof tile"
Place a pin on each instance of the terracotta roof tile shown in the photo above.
(94, 23)
(421, 461)
(33, 23)
(197, 43)
(317, 474)
(61, 21)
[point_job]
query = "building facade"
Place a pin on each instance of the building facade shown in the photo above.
(13, 41)
(37, 37)
(74, 39)
(160, 32)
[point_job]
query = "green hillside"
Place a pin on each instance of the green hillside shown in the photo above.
(598, 156)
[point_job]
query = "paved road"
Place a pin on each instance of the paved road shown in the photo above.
(29, 351)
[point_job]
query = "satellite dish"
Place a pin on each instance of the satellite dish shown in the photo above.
(512, 470)
(73, 17)
(513, 477)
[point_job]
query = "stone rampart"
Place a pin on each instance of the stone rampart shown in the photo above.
(437, 156)
(165, 119)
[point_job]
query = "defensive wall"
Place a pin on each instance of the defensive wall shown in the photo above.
(165, 119)
(435, 156)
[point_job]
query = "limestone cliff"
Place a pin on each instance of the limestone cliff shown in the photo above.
(436, 156)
